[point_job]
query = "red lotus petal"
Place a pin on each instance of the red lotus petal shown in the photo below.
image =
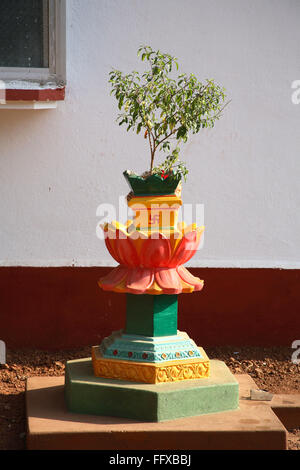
(168, 280)
(139, 280)
(156, 252)
(187, 277)
(122, 249)
(127, 252)
(110, 245)
(113, 278)
(186, 248)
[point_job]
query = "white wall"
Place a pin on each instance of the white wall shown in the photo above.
(57, 166)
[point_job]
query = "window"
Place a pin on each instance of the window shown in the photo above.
(24, 37)
(32, 49)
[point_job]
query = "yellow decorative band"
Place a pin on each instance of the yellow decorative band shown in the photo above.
(151, 373)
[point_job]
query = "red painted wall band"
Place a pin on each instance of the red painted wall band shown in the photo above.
(57, 94)
(62, 308)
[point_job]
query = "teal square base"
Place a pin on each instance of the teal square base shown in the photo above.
(87, 394)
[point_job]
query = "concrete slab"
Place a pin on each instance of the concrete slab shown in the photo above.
(51, 426)
(286, 406)
(287, 409)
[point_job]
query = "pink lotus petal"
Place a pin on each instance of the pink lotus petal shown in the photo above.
(110, 245)
(187, 277)
(186, 248)
(168, 280)
(139, 280)
(113, 278)
(122, 249)
(156, 252)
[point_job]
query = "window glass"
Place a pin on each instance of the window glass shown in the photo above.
(24, 33)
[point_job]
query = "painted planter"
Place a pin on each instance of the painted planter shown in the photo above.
(151, 185)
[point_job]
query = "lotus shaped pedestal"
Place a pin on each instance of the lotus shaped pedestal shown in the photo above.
(151, 263)
(151, 249)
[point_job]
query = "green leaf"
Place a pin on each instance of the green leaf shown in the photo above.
(121, 102)
(181, 132)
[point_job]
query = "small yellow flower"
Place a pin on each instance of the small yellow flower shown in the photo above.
(149, 124)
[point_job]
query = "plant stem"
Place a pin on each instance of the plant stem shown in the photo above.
(152, 149)
(165, 138)
(152, 162)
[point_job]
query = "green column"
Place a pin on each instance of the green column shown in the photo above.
(151, 315)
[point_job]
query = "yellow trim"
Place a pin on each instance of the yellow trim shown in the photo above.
(152, 373)
(153, 200)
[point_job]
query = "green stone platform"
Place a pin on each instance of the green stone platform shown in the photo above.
(85, 393)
